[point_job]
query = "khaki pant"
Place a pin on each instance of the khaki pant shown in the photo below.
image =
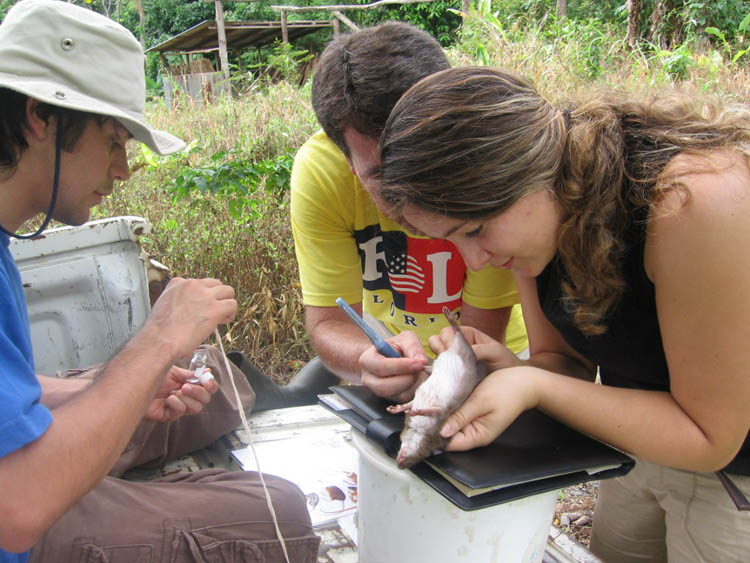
(205, 516)
(657, 514)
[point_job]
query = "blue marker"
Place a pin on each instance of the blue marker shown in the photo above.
(380, 345)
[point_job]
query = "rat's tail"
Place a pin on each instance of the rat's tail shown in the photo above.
(452, 319)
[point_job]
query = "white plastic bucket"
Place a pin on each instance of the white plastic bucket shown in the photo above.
(400, 518)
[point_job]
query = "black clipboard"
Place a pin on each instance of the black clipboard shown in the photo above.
(534, 455)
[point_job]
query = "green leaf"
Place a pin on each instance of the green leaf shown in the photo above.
(716, 32)
(200, 183)
(149, 156)
(236, 207)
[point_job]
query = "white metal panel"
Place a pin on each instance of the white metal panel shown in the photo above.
(86, 291)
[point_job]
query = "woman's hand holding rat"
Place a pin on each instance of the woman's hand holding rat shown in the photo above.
(496, 402)
(493, 405)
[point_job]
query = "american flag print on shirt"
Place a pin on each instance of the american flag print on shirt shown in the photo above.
(405, 274)
(423, 275)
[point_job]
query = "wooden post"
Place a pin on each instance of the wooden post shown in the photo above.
(657, 19)
(346, 20)
(240, 66)
(164, 63)
(222, 38)
(465, 5)
(633, 16)
(336, 27)
(284, 30)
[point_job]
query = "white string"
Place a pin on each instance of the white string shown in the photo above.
(246, 426)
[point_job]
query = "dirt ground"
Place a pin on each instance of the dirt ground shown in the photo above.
(575, 511)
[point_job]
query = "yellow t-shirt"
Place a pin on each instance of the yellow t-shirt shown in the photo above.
(347, 248)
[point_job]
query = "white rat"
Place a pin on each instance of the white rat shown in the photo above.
(455, 373)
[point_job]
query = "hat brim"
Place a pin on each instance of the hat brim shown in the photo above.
(161, 142)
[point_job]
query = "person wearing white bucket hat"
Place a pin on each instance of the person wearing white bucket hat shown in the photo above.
(71, 95)
(79, 60)
(76, 60)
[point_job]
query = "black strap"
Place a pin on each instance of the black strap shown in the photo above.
(739, 499)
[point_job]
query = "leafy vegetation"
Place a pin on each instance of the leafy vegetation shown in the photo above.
(439, 18)
(236, 180)
(220, 208)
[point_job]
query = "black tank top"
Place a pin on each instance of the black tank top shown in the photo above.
(630, 353)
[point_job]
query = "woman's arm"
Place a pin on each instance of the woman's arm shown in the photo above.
(698, 257)
(547, 348)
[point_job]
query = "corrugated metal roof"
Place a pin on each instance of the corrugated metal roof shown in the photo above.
(240, 35)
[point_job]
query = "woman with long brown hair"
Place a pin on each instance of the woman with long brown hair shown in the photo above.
(627, 227)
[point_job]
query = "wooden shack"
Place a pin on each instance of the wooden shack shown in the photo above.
(205, 78)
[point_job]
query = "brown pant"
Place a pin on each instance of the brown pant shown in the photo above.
(205, 516)
(657, 514)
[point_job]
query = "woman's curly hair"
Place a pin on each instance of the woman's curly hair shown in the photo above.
(469, 142)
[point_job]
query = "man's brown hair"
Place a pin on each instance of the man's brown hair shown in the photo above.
(361, 76)
(13, 125)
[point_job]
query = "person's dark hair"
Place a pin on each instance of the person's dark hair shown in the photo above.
(13, 125)
(470, 142)
(361, 75)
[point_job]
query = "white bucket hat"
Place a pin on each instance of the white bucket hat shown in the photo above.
(75, 58)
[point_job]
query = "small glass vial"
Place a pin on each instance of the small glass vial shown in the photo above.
(198, 365)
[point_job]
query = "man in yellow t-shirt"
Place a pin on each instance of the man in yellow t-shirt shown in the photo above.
(348, 246)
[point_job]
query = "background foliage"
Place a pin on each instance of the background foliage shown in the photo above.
(670, 26)
(220, 208)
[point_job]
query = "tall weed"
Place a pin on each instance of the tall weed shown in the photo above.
(567, 58)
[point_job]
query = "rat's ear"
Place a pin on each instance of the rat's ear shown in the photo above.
(38, 127)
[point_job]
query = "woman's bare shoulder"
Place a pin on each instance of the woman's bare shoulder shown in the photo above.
(717, 181)
(708, 208)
